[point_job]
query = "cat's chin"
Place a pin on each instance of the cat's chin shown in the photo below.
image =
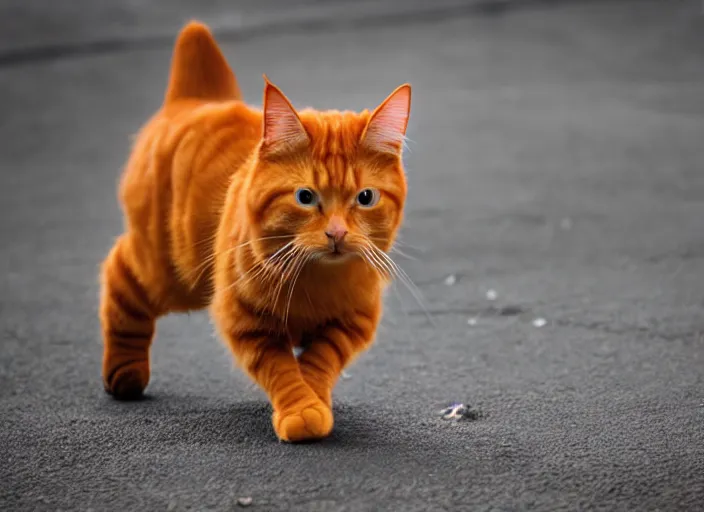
(336, 258)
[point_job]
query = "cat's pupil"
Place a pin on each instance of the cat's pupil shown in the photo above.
(305, 196)
(365, 197)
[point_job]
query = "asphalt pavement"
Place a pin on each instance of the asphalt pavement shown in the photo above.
(555, 220)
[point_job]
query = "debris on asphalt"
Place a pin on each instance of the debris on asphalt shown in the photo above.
(451, 280)
(472, 320)
(459, 412)
(539, 322)
(510, 311)
(346, 375)
(453, 412)
(473, 415)
(566, 224)
(491, 295)
(244, 501)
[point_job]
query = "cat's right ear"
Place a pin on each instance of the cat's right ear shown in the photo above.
(283, 130)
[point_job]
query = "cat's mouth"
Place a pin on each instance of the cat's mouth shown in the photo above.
(336, 256)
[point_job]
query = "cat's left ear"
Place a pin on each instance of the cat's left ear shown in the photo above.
(282, 130)
(386, 129)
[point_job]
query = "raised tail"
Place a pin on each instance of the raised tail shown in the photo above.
(199, 69)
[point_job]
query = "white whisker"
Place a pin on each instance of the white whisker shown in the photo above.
(384, 269)
(403, 254)
(286, 267)
(404, 277)
(265, 264)
(203, 266)
(299, 269)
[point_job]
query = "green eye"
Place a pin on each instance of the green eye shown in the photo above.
(306, 197)
(368, 197)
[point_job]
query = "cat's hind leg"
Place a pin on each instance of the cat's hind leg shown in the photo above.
(128, 320)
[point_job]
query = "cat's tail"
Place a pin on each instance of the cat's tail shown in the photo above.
(199, 69)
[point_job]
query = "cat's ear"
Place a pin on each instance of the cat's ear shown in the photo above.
(282, 130)
(386, 129)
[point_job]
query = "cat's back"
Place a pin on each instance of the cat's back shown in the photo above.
(176, 177)
(192, 145)
(175, 183)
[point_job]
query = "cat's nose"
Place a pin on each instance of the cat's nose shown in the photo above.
(336, 235)
(336, 230)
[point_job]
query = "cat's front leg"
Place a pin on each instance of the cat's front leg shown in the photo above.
(334, 347)
(299, 414)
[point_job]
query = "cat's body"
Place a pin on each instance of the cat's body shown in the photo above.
(211, 220)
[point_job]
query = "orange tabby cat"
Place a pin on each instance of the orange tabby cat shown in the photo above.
(278, 220)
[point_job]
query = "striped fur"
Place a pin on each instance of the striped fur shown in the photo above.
(211, 220)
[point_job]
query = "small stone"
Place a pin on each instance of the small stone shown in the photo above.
(539, 322)
(451, 280)
(346, 375)
(566, 224)
(491, 295)
(171, 507)
(460, 412)
(244, 501)
(472, 321)
(453, 412)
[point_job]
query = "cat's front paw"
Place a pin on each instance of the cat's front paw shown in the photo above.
(313, 421)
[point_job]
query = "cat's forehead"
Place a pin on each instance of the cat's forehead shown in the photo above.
(334, 140)
(336, 162)
(334, 132)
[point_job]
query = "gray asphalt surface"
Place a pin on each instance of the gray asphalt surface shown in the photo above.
(556, 159)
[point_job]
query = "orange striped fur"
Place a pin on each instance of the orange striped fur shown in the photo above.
(216, 216)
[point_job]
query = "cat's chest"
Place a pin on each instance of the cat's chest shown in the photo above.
(320, 300)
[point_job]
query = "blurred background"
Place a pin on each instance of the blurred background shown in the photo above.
(555, 217)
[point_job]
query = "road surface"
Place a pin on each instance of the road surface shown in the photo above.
(556, 214)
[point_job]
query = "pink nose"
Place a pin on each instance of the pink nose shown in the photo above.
(336, 234)
(336, 230)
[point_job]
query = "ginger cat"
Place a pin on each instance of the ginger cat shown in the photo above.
(279, 221)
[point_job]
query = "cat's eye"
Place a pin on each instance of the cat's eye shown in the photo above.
(306, 197)
(368, 197)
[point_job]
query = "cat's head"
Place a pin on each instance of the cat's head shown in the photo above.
(329, 184)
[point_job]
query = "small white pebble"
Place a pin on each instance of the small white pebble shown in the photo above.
(491, 295)
(472, 321)
(539, 322)
(244, 502)
(451, 280)
(346, 375)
